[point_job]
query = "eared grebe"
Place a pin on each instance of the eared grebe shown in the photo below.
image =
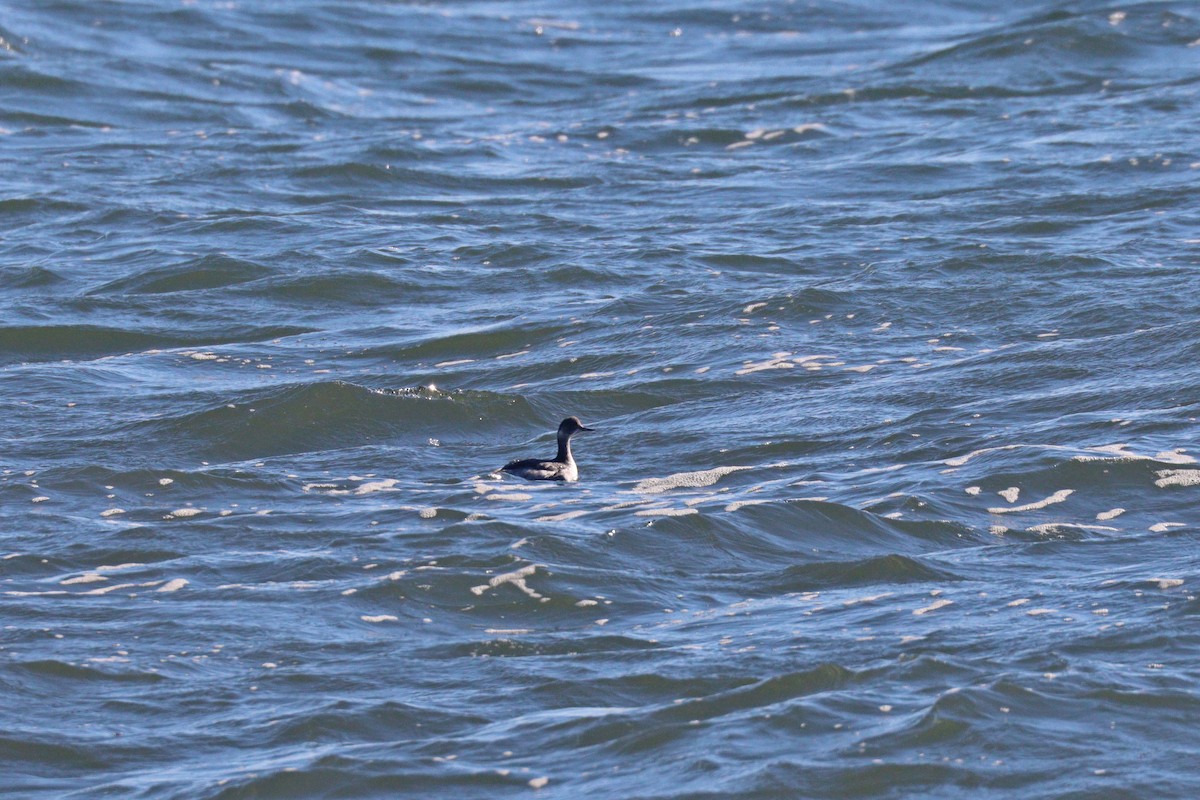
(561, 468)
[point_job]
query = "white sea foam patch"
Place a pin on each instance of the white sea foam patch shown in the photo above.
(665, 512)
(1177, 477)
(815, 359)
(112, 512)
(1057, 497)
(683, 480)
(563, 517)
(1121, 451)
(1049, 528)
(1112, 513)
(365, 488)
(627, 504)
(515, 497)
(1167, 583)
(777, 361)
(888, 468)
(183, 513)
(958, 461)
(934, 606)
(1010, 494)
(855, 601)
(736, 504)
(1162, 527)
(119, 567)
(1106, 451)
(516, 578)
(379, 618)
(119, 586)
(385, 485)
(87, 577)
(1111, 451)
(173, 585)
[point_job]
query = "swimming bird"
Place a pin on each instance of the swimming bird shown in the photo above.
(561, 468)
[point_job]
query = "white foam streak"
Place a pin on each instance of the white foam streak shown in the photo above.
(934, 606)
(958, 461)
(1057, 497)
(563, 517)
(735, 505)
(666, 512)
(87, 577)
(779, 361)
(1177, 477)
(688, 480)
(516, 578)
(117, 587)
(515, 497)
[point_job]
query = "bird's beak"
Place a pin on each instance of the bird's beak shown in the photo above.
(582, 428)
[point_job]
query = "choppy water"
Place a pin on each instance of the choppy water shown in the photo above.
(885, 313)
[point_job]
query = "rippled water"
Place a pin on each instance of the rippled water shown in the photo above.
(885, 315)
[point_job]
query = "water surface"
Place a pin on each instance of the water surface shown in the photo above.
(884, 313)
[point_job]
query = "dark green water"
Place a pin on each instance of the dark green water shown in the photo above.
(885, 314)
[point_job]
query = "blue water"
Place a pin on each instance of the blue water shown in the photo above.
(885, 315)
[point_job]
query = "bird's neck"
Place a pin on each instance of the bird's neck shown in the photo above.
(564, 450)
